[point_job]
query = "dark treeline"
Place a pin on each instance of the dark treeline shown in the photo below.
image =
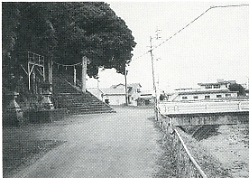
(66, 32)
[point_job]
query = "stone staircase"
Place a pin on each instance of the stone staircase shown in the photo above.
(65, 95)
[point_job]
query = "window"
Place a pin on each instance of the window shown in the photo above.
(208, 86)
(195, 97)
(184, 97)
(107, 101)
(216, 86)
(228, 95)
(218, 96)
(207, 97)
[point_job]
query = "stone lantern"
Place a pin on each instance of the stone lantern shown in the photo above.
(13, 114)
(46, 103)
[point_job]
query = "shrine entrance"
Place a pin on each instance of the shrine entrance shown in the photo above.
(36, 71)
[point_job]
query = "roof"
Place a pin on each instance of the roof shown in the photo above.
(217, 83)
(113, 91)
(115, 86)
(131, 85)
(205, 92)
(134, 85)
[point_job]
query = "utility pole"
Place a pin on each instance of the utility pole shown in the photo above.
(154, 82)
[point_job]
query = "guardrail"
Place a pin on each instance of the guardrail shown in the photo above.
(186, 166)
(167, 108)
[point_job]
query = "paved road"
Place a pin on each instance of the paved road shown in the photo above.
(122, 144)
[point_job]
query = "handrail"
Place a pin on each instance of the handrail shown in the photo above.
(190, 156)
(169, 108)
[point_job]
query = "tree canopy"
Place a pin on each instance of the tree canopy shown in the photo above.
(68, 31)
(237, 87)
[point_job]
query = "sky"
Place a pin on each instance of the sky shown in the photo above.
(215, 46)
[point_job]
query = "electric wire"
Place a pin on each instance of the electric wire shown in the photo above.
(172, 36)
(190, 23)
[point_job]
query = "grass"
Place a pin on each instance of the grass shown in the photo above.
(167, 162)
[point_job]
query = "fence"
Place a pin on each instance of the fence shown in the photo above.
(167, 108)
(186, 166)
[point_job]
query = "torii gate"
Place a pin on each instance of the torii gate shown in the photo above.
(84, 63)
(35, 60)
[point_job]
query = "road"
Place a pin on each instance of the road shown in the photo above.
(122, 144)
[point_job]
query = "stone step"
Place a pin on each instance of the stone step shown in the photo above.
(66, 96)
(87, 109)
(91, 112)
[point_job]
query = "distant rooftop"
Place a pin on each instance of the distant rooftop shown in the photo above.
(224, 82)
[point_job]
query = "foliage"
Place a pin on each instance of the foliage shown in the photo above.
(67, 32)
(10, 23)
(237, 87)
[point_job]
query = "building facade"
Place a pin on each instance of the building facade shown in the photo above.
(116, 95)
(207, 91)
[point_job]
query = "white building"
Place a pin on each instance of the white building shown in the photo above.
(219, 90)
(115, 95)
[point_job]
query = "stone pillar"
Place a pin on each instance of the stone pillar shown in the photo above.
(50, 74)
(13, 114)
(84, 71)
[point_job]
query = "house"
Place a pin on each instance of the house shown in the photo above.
(207, 91)
(113, 96)
(116, 95)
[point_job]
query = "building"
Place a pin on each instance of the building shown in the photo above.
(116, 95)
(207, 91)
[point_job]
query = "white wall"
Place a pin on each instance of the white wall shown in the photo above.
(202, 96)
(115, 100)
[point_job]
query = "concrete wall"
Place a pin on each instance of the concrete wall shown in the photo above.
(115, 99)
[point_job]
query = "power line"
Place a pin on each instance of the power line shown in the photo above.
(141, 55)
(176, 33)
(190, 23)
(232, 5)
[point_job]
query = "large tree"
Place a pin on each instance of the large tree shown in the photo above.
(68, 31)
(237, 87)
(10, 22)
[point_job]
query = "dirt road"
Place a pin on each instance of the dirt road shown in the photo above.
(122, 144)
